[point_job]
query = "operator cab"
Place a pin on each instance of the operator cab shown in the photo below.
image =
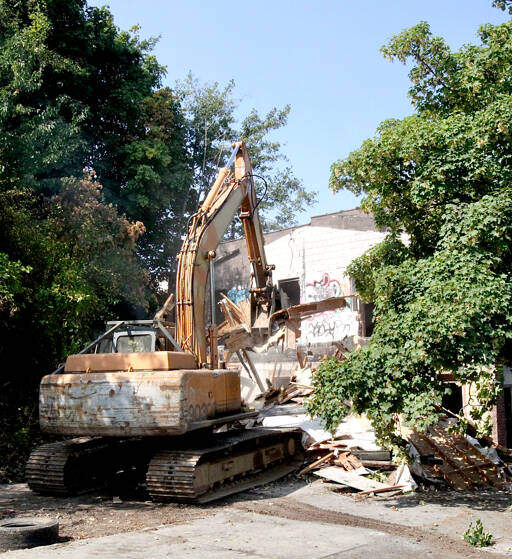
(135, 338)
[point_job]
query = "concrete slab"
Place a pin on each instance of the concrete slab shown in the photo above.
(234, 534)
(444, 512)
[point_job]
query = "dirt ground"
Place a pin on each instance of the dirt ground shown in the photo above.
(101, 514)
(96, 514)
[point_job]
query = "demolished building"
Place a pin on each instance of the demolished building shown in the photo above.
(310, 265)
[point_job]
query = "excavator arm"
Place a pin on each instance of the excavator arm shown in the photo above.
(230, 193)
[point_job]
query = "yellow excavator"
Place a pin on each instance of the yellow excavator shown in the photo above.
(150, 396)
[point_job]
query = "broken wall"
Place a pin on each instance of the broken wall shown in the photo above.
(316, 257)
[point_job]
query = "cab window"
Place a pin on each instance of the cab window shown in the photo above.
(133, 344)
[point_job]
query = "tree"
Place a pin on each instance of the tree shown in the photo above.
(75, 94)
(211, 127)
(158, 181)
(505, 5)
(78, 93)
(100, 169)
(442, 292)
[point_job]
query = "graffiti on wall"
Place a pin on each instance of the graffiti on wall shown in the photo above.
(238, 293)
(332, 325)
(323, 288)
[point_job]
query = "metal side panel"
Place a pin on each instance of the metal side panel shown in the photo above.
(134, 404)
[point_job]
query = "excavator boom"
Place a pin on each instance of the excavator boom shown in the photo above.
(230, 193)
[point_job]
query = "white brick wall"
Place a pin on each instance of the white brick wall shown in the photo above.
(319, 257)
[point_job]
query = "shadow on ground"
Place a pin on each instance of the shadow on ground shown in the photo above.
(478, 500)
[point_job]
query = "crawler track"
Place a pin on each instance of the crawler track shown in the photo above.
(81, 465)
(229, 464)
(198, 472)
(64, 468)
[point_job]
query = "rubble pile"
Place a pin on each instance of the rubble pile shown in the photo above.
(236, 334)
(351, 458)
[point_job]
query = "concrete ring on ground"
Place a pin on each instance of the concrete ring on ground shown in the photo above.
(19, 532)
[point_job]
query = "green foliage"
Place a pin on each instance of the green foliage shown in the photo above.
(505, 5)
(439, 182)
(10, 283)
(327, 403)
(75, 93)
(391, 251)
(158, 179)
(78, 93)
(476, 536)
(378, 475)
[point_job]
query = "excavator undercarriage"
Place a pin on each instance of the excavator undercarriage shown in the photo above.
(195, 469)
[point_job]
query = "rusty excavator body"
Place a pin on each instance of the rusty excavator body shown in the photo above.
(147, 397)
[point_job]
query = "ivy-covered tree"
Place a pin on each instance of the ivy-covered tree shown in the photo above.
(440, 182)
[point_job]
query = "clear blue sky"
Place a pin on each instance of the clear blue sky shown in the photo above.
(320, 56)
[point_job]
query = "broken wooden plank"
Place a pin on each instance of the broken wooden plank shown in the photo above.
(425, 446)
(243, 356)
(302, 359)
(232, 310)
(472, 461)
(237, 340)
(305, 310)
(346, 461)
(317, 463)
(341, 350)
(371, 454)
(294, 390)
(166, 308)
(379, 464)
(276, 338)
(308, 309)
(472, 430)
(382, 490)
(327, 446)
(462, 466)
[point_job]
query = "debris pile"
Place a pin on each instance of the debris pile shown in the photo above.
(236, 333)
(351, 458)
(294, 391)
(367, 471)
(457, 460)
